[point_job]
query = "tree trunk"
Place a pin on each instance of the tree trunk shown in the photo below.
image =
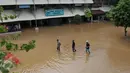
(125, 29)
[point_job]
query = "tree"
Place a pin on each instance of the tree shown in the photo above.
(1, 10)
(7, 59)
(88, 13)
(113, 2)
(120, 14)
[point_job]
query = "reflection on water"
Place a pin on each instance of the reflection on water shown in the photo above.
(74, 54)
(109, 53)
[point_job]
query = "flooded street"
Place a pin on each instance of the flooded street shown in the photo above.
(110, 51)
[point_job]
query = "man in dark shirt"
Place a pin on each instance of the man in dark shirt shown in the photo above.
(58, 44)
(73, 46)
(87, 47)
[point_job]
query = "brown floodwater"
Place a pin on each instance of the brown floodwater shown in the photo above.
(110, 50)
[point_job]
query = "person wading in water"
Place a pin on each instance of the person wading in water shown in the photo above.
(87, 47)
(58, 44)
(73, 46)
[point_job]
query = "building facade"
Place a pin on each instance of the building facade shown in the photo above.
(50, 12)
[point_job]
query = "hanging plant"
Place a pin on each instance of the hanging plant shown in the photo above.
(15, 16)
(11, 16)
(5, 17)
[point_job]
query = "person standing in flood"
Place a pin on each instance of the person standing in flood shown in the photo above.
(58, 44)
(73, 46)
(87, 47)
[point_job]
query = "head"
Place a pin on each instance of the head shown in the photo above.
(72, 40)
(86, 41)
(57, 40)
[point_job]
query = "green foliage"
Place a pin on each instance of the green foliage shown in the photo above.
(88, 13)
(3, 70)
(29, 46)
(77, 19)
(2, 54)
(1, 10)
(113, 2)
(11, 46)
(2, 29)
(120, 14)
(6, 65)
(5, 17)
(11, 16)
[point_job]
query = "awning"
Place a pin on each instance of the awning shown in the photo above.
(105, 8)
(25, 15)
(78, 10)
(8, 12)
(78, 1)
(24, 2)
(54, 1)
(95, 9)
(41, 1)
(66, 1)
(88, 1)
(97, 12)
(7, 2)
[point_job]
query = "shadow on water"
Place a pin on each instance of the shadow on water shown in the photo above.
(87, 56)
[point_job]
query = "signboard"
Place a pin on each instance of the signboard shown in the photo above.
(24, 6)
(54, 12)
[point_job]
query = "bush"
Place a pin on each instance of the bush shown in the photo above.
(77, 19)
(2, 29)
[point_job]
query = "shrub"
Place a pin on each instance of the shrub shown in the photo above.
(2, 29)
(77, 19)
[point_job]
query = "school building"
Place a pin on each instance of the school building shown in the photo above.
(36, 13)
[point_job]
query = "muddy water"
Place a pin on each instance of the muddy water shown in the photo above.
(110, 51)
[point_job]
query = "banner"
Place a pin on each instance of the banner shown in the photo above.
(24, 6)
(54, 12)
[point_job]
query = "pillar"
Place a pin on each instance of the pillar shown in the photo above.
(19, 26)
(30, 24)
(98, 18)
(91, 19)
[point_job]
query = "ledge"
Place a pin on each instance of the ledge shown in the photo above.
(9, 33)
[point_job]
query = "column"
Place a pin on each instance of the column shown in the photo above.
(30, 23)
(19, 26)
(91, 19)
(98, 18)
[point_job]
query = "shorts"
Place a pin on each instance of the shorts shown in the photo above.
(87, 50)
